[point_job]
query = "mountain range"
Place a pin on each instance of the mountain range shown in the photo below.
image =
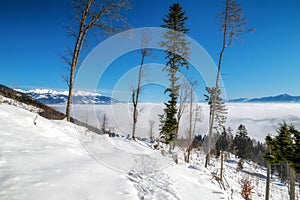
(48, 96)
(285, 98)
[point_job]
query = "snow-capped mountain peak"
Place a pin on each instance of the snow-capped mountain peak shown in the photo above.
(49, 96)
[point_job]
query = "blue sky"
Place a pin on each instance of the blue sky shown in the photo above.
(266, 63)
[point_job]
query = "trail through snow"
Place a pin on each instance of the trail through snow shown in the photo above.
(150, 181)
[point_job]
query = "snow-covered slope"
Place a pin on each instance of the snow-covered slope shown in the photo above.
(48, 96)
(59, 160)
(48, 161)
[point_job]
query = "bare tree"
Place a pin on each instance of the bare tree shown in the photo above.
(183, 96)
(135, 93)
(88, 15)
(151, 123)
(194, 118)
(103, 119)
(234, 24)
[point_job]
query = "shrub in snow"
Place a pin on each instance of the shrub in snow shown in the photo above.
(246, 189)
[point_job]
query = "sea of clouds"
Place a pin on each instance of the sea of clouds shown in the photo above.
(260, 119)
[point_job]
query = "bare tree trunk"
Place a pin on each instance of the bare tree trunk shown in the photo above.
(207, 159)
(89, 16)
(182, 103)
(268, 182)
(151, 125)
(136, 93)
(191, 122)
(222, 162)
(134, 117)
(213, 107)
(292, 183)
(76, 53)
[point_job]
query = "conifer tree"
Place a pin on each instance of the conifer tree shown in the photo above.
(177, 52)
(284, 148)
(243, 144)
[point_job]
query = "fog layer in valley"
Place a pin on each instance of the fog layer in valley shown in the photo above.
(260, 119)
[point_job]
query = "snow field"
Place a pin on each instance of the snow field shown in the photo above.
(59, 160)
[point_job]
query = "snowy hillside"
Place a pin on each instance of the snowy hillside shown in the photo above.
(59, 160)
(48, 96)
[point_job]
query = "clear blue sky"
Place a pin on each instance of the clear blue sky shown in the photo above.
(266, 63)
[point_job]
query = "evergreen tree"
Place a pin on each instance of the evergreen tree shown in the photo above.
(177, 53)
(218, 107)
(222, 143)
(243, 144)
(284, 148)
(294, 156)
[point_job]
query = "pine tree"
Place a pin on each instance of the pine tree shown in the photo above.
(284, 148)
(243, 144)
(294, 156)
(222, 143)
(177, 52)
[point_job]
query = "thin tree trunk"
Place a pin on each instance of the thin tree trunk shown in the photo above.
(76, 53)
(268, 181)
(221, 170)
(207, 160)
(292, 183)
(78, 45)
(191, 123)
(135, 95)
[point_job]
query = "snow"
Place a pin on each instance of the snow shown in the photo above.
(48, 161)
(59, 160)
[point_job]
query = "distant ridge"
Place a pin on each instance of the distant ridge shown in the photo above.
(284, 98)
(50, 97)
(46, 111)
